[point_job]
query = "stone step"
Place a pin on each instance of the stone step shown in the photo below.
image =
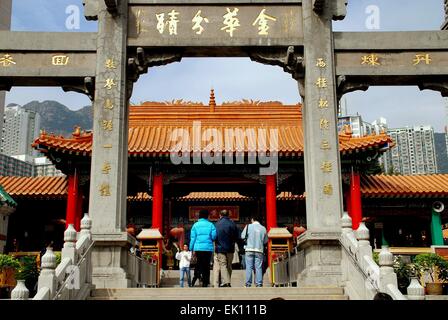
(288, 293)
(171, 278)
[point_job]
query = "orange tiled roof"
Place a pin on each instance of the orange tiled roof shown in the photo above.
(404, 186)
(152, 124)
(39, 187)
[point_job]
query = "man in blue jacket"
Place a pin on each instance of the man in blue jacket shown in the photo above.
(203, 233)
(227, 234)
(256, 238)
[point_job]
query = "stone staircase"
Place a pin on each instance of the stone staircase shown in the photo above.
(170, 291)
(241, 293)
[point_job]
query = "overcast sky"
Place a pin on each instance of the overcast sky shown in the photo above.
(235, 79)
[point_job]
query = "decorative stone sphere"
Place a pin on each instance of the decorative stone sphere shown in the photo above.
(386, 258)
(86, 222)
(49, 259)
(20, 292)
(346, 221)
(415, 290)
(362, 233)
(70, 234)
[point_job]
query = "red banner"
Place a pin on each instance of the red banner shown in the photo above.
(234, 212)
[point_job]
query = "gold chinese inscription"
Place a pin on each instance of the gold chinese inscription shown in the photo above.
(371, 60)
(325, 145)
(139, 22)
(327, 189)
(7, 60)
(105, 190)
(324, 124)
(107, 146)
(419, 58)
(262, 21)
(106, 168)
(110, 64)
(172, 22)
(231, 22)
(321, 63)
(108, 104)
(110, 83)
(60, 60)
(107, 125)
(323, 103)
(197, 22)
(321, 82)
(326, 166)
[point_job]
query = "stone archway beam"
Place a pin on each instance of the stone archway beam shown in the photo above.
(46, 59)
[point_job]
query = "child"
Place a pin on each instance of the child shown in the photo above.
(184, 265)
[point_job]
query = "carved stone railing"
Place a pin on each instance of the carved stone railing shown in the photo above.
(361, 276)
(72, 278)
(143, 272)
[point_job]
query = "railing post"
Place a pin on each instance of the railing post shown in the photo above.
(69, 249)
(47, 277)
(387, 274)
(415, 290)
(20, 292)
(346, 223)
(364, 248)
(86, 226)
(86, 230)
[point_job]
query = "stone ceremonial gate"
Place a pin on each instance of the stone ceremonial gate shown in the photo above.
(134, 35)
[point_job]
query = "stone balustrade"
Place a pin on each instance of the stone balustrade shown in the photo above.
(72, 278)
(362, 277)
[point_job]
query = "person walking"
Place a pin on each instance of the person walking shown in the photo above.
(203, 233)
(184, 258)
(226, 235)
(257, 238)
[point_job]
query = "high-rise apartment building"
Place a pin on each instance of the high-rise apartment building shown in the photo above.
(359, 127)
(5, 23)
(414, 152)
(20, 128)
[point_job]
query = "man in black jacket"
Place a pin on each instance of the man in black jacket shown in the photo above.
(227, 234)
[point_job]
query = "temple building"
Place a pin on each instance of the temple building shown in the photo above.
(244, 156)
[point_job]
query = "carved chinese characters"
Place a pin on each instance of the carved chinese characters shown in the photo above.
(153, 25)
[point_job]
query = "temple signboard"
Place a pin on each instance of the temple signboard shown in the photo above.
(214, 25)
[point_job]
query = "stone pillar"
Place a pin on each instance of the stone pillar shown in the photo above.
(108, 184)
(321, 152)
(436, 229)
(271, 202)
(355, 198)
(157, 202)
(72, 198)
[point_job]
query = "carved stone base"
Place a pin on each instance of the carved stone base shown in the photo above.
(322, 259)
(109, 263)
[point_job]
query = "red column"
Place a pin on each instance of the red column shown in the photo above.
(79, 209)
(271, 202)
(355, 196)
(72, 199)
(157, 202)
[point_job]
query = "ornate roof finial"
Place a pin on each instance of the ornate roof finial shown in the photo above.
(212, 102)
(77, 132)
(348, 130)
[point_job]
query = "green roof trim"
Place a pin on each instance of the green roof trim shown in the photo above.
(6, 198)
